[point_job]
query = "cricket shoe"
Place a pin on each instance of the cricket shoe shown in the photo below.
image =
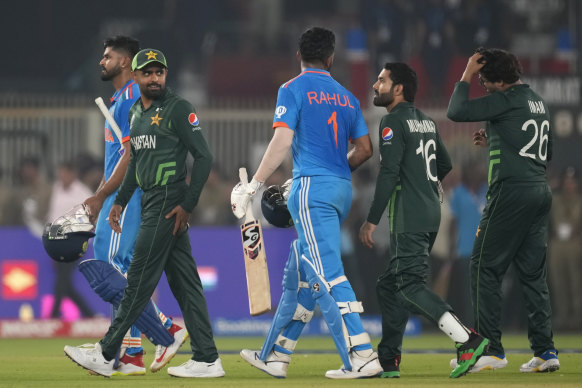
(468, 354)
(130, 365)
(165, 353)
(275, 365)
(391, 368)
(364, 364)
(485, 363)
(193, 368)
(546, 362)
(90, 358)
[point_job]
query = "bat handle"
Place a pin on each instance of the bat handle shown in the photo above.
(243, 176)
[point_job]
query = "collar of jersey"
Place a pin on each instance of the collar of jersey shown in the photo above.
(118, 93)
(317, 71)
(402, 105)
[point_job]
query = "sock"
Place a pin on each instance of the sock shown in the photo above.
(452, 327)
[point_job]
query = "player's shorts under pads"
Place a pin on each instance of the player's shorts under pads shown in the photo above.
(114, 248)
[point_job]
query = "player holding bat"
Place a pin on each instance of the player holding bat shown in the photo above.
(316, 117)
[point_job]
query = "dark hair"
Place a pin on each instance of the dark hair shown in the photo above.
(402, 74)
(500, 65)
(316, 44)
(128, 45)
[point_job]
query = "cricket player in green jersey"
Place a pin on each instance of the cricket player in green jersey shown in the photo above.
(413, 161)
(163, 129)
(514, 224)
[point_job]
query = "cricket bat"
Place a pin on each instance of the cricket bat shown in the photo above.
(255, 259)
(110, 119)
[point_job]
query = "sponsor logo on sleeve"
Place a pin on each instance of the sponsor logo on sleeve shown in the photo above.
(193, 119)
(387, 134)
(280, 111)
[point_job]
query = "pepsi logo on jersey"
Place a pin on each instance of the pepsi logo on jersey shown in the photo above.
(387, 134)
(193, 119)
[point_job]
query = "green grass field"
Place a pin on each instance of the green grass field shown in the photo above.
(42, 363)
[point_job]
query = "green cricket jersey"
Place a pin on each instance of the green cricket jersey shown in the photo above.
(161, 137)
(519, 138)
(413, 159)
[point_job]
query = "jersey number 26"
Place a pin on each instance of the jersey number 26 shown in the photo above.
(543, 133)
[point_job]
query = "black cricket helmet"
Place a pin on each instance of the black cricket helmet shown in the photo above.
(66, 238)
(274, 207)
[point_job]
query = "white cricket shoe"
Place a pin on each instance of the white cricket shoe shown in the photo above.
(90, 358)
(364, 364)
(546, 362)
(165, 354)
(275, 365)
(193, 368)
(484, 363)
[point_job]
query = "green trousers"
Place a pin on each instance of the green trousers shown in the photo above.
(513, 229)
(402, 290)
(156, 251)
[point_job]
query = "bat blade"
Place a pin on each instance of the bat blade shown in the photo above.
(256, 269)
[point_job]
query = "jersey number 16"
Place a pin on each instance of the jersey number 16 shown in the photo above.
(428, 153)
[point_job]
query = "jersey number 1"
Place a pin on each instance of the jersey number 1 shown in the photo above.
(333, 120)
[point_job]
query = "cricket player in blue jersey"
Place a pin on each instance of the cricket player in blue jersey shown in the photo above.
(316, 117)
(113, 252)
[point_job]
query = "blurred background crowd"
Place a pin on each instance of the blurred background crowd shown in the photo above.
(228, 58)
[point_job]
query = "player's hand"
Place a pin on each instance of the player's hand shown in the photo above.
(182, 217)
(114, 217)
(94, 204)
(480, 138)
(473, 67)
(241, 196)
(366, 231)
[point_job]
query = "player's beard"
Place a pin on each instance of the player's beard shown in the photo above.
(384, 99)
(108, 75)
(155, 93)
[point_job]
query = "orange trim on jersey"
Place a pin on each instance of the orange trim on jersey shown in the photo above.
(306, 71)
(278, 124)
(123, 91)
(125, 139)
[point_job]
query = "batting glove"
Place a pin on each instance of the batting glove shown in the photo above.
(241, 196)
(287, 188)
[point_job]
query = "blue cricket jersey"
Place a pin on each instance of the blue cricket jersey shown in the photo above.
(121, 102)
(324, 116)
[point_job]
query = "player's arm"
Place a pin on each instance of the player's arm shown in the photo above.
(360, 152)
(488, 107)
(391, 154)
(106, 188)
(479, 109)
(128, 186)
(195, 141)
(283, 125)
(277, 150)
(109, 186)
(360, 136)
